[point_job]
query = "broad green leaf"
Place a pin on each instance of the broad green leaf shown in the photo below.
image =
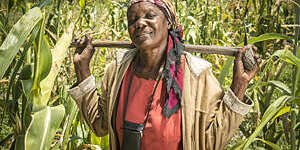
(274, 146)
(43, 3)
(105, 142)
(17, 37)
(27, 86)
(249, 4)
(59, 53)
(225, 70)
(281, 86)
(268, 115)
(192, 19)
(95, 140)
(297, 101)
(2, 28)
(42, 128)
(284, 110)
(43, 62)
(20, 142)
(265, 37)
(238, 145)
(82, 3)
(26, 72)
(71, 113)
(288, 57)
(293, 1)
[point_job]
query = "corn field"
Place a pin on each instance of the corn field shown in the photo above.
(36, 67)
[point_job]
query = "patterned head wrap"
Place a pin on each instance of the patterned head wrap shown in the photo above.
(172, 73)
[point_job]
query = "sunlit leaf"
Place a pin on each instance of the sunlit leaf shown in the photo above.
(59, 53)
(238, 145)
(82, 3)
(288, 57)
(268, 115)
(17, 37)
(274, 146)
(249, 4)
(43, 3)
(43, 61)
(265, 37)
(281, 86)
(225, 69)
(42, 128)
(95, 140)
(191, 18)
(71, 113)
(284, 110)
(27, 86)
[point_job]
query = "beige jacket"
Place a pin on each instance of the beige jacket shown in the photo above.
(209, 117)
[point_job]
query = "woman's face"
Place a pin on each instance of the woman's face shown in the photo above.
(147, 25)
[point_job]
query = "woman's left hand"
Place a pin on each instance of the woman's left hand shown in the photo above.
(241, 76)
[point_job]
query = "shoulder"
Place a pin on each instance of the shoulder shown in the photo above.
(122, 56)
(196, 65)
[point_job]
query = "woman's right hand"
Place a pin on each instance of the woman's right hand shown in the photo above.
(82, 58)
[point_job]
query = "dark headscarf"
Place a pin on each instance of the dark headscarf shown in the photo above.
(173, 73)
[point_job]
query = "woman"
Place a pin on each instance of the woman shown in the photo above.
(157, 89)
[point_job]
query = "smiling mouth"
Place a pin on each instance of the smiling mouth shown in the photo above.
(143, 34)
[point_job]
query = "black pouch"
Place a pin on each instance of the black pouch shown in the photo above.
(132, 136)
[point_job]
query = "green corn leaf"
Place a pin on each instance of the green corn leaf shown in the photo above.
(42, 128)
(281, 86)
(274, 146)
(297, 101)
(105, 142)
(249, 4)
(27, 86)
(95, 140)
(43, 62)
(43, 3)
(284, 110)
(239, 144)
(71, 114)
(20, 142)
(17, 37)
(265, 37)
(2, 28)
(82, 3)
(271, 111)
(59, 54)
(288, 57)
(226, 69)
(191, 18)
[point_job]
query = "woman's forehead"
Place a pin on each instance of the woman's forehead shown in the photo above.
(165, 6)
(143, 7)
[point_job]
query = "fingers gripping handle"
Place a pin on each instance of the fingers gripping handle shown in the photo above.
(248, 59)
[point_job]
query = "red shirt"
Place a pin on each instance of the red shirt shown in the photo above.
(160, 133)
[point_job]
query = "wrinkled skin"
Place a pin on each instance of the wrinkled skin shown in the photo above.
(148, 30)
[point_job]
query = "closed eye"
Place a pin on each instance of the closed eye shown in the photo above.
(150, 15)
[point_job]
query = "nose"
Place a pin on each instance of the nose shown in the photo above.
(141, 23)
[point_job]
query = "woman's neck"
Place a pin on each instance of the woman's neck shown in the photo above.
(149, 62)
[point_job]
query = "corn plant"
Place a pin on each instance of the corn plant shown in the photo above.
(36, 66)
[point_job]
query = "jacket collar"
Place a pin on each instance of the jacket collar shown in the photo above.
(196, 65)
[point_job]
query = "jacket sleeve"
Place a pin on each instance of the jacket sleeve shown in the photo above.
(92, 105)
(221, 113)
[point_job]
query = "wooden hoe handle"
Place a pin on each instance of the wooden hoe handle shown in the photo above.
(248, 58)
(230, 51)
